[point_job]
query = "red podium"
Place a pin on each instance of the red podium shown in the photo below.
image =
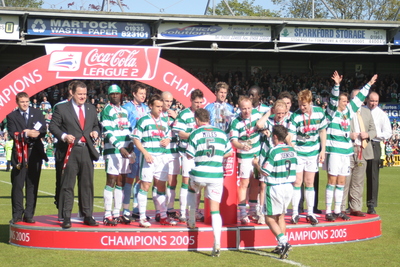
(228, 207)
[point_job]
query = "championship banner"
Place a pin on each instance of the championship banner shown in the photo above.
(95, 62)
(333, 36)
(237, 33)
(88, 28)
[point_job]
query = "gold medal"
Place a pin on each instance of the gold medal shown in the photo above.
(18, 166)
(360, 164)
(26, 165)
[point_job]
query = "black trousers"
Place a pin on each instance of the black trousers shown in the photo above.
(80, 166)
(373, 175)
(28, 177)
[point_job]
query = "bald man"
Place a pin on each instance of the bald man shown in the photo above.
(169, 116)
(354, 186)
(383, 132)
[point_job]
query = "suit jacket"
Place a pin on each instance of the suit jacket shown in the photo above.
(16, 123)
(66, 121)
(369, 125)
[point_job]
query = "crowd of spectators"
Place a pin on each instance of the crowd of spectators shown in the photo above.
(271, 85)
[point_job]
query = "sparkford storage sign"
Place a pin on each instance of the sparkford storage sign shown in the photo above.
(333, 36)
(88, 28)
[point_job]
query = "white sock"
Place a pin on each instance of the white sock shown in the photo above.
(161, 204)
(191, 200)
(198, 200)
(282, 239)
(142, 199)
(154, 196)
(338, 197)
(310, 197)
(253, 207)
(171, 194)
(118, 195)
(296, 200)
(329, 197)
(183, 199)
(108, 198)
(216, 222)
(242, 210)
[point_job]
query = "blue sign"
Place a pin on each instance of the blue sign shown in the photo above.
(393, 110)
(397, 39)
(88, 28)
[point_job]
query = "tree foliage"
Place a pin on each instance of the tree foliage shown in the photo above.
(92, 7)
(241, 8)
(24, 3)
(342, 9)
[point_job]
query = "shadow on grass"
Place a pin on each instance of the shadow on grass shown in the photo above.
(204, 253)
(260, 252)
(4, 233)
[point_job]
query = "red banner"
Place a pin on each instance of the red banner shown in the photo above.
(66, 62)
(152, 239)
(47, 234)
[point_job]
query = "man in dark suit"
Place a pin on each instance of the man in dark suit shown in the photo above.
(75, 125)
(361, 134)
(26, 126)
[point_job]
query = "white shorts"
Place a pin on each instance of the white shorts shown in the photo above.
(187, 165)
(174, 167)
(308, 164)
(246, 168)
(336, 164)
(116, 164)
(158, 169)
(277, 199)
(212, 191)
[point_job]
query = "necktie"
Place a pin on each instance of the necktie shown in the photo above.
(81, 118)
(362, 128)
(25, 117)
(82, 122)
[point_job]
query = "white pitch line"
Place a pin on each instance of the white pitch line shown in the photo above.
(51, 194)
(262, 253)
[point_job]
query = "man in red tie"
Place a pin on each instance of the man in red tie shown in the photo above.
(75, 125)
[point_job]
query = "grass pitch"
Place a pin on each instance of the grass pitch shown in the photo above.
(380, 251)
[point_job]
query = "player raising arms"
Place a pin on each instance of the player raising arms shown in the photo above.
(308, 127)
(339, 147)
(151, 137)
(208, 145)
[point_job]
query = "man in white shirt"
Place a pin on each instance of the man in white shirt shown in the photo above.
(383, 131)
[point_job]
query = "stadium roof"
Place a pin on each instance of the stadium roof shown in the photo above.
(273, 45)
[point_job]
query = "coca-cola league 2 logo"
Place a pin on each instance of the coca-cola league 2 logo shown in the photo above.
(104, 62)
